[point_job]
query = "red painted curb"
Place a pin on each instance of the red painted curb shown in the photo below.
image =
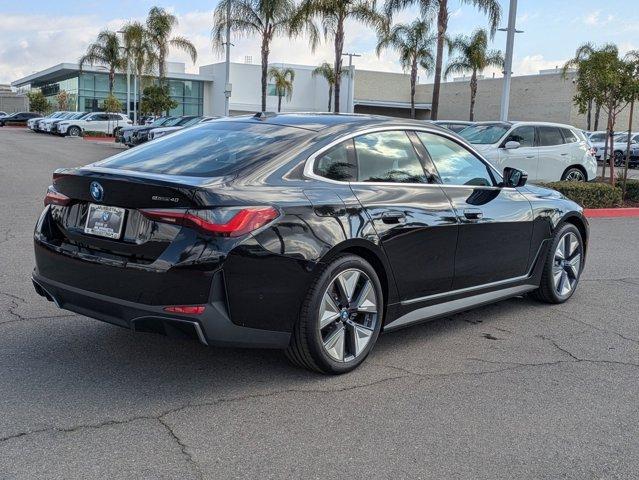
(99, 139)
(611, 212)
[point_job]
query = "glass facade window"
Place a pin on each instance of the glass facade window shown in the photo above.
(87, 91)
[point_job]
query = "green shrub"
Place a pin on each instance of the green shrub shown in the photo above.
(632, 190)
(589, 195)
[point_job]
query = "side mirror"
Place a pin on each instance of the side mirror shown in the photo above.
(512, 145)
(514, 178)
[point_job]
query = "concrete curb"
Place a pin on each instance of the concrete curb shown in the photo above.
(611, 212)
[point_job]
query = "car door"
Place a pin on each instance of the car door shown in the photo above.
(495, 223)
(526, 157)
(414, 220)
(554, 154)
(99, 123)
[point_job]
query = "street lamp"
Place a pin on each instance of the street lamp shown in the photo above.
(351, 74)
(508, 61)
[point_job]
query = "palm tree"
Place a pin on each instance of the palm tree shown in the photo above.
(414, 44)
(283, 80)
(440, 7)
(473, 55)
(265, 18)
(333, 14)
(139, 51)
(327, 71)
(583, 53)
(106, 50)
(159, 25)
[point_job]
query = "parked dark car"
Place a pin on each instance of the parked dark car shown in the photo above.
(141, 135)
(124, 135)
(309, 233)
(19, 118)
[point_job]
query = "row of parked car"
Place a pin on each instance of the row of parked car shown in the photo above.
(134, 135)
(74, 124)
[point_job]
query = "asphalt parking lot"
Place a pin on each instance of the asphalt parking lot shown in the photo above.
(513, 390)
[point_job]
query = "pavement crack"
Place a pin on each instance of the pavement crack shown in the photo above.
(595, 327)
(183, 446)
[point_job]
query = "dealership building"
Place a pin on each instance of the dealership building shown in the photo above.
(543, 97)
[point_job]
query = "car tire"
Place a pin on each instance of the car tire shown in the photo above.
(573, 174)
(333, 334)
(563, 266)
(74, 131)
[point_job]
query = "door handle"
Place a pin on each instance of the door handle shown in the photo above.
(473, 214)
(393, 217)
(564, 154)
(530, 156)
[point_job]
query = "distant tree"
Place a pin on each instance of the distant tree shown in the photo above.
(263, 18)
(106, 50)
(112, 104)
(159, 25)
(63, 100)
(326, 71)
(333, 15)
(38, 102)
(472, 55)
(583, 53)
(632, 59)
(414, 43)
(156, 100)
(283, 79)
(441, 9)
(139, 52)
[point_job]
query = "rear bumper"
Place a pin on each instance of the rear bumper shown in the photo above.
(213, 327)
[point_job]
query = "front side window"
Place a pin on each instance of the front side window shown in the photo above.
(524, 135)
(388, 157)
(455, 164)
(337, 163)
(549, 136)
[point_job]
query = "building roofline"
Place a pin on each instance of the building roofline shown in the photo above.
(68, 67)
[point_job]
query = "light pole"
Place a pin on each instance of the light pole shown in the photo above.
(351, 74)
(508, 61)
(227, 84)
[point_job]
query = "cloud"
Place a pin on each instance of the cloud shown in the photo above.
(531, 64)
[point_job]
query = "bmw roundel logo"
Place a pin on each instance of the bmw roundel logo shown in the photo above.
(97, 192)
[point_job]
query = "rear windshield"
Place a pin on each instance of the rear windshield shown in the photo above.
(484, 134)
(209, 150)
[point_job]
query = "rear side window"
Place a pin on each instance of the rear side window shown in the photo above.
(210, 149)
(388, 157)
(455, 164)
(337, 163)
(569, 135)
(549, 136)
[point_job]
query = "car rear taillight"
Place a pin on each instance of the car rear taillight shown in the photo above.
(186, 309)
(53, 197)
(228, 222)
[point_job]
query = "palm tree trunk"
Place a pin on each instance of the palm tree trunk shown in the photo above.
(589, 114)
(473, 95)
(605, 154)
(442, 26)
(339, 48)
(330, 96)
(111, 80)
(265, 52)
(413, 82)
(279, 103)
(597, 113)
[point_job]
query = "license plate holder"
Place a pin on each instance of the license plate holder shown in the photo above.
(104, 221)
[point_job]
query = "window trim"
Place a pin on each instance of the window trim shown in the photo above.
(310, 161)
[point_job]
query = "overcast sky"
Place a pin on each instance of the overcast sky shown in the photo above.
(36, 35)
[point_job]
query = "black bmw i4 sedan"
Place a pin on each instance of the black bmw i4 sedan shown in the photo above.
(307, 232)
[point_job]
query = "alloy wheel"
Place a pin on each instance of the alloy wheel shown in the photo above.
(348, 315)
(566, 264)
(575, 176)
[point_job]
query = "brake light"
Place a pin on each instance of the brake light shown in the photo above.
(186, 309)
(228, 222)
(53, 197)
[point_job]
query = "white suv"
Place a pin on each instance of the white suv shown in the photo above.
(548, 152)
(95, 122)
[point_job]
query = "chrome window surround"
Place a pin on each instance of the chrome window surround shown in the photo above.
(310, 162)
